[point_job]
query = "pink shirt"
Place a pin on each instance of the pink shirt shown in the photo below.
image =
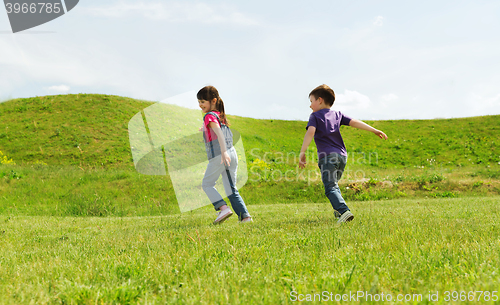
(209, 133)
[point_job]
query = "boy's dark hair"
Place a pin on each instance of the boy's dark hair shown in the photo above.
(208, 93)
(325, 92)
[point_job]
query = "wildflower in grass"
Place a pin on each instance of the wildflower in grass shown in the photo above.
(259, 164)
(39, 163)
(5, 160)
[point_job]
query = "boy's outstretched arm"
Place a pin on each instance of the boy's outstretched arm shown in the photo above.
(361, 125)
(307, 140)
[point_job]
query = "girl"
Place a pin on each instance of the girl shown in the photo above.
(222, 157)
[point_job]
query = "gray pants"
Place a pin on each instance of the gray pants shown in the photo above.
(214, 170)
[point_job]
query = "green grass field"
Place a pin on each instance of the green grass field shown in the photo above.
(392, 247)
(80, 225)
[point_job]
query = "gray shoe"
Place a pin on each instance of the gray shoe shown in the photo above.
(222, 216)
(248, 219)
(346, 217)
(336, 214)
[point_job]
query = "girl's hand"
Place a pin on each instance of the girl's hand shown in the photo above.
(380, 134)
(302, 160)
(201, 129)
(225, 159)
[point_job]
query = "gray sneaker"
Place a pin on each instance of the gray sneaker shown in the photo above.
(222, 215)
(248, 219)
(346, 217)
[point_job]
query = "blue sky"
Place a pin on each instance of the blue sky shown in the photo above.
(383, 59)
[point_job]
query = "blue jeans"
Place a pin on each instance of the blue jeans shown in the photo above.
(212, 174)
(332, 167)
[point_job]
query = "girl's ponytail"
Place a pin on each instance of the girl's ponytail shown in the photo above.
(219, 106)
(208, 93)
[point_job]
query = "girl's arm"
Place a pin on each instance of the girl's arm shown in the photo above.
(361, 125)
(307, 140)
(225, 159)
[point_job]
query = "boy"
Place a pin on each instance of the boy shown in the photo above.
(324, 125)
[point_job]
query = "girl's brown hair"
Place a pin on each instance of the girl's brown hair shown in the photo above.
(208, 93)
(324, 92)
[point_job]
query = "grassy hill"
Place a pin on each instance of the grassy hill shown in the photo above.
(72, 155)
(91, 129)
(81, 129)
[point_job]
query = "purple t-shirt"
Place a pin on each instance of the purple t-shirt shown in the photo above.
(327, 136)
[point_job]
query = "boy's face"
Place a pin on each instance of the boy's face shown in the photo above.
(316, 104)
(206, 106)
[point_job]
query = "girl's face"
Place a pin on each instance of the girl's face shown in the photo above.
(207, 106)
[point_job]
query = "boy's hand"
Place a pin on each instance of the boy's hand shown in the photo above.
(362, 125)
(307, 140)
(380, 133)
(302, 160)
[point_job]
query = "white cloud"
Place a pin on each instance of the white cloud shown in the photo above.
(352, 100)
(379, 21)
(390, 97)
(59, 89)
(176, 12)
(91, 67)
